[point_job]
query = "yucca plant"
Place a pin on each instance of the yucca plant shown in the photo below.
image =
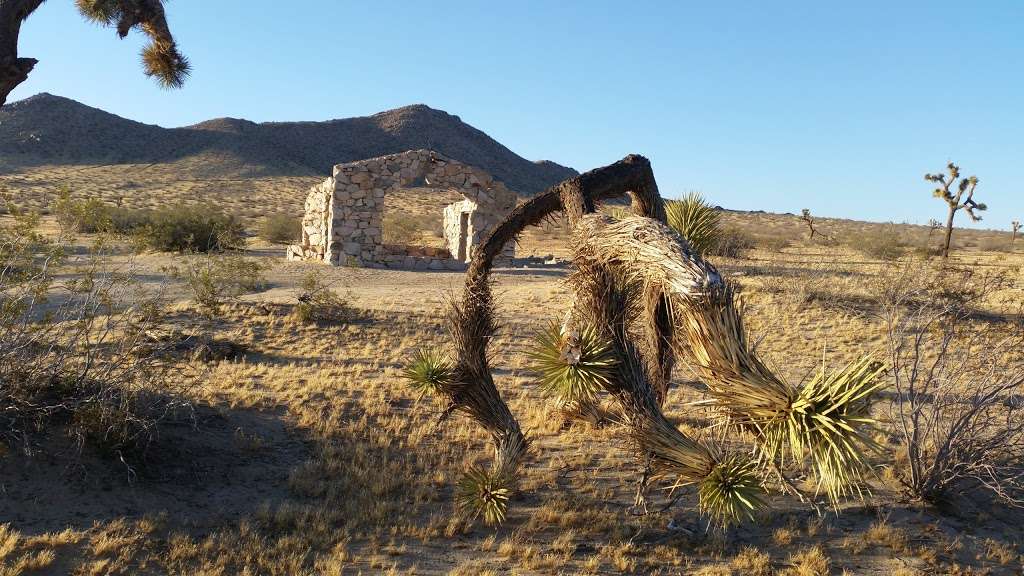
(698, 222)
(830, 423)
(732, 491)
(429, 372)
(573, 363)
(483, 493)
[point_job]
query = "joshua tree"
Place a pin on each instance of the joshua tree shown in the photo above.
(641, 295)
(805, 215)
(1016, 228)
(958, 193)
(160, 59)
(933, 225)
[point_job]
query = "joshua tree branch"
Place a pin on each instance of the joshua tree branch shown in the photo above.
(13, 70)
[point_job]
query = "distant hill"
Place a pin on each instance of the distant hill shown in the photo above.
(47, 129)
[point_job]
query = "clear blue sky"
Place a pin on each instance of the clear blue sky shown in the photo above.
(837, 107)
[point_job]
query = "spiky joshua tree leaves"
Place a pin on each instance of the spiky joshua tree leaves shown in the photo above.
(160, 58)
(573, 363)
(429, 372)
(958, 194)
(698, 222)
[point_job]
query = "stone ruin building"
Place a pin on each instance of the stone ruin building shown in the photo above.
(343, 219)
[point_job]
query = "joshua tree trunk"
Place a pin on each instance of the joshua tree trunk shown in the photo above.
(13, 70)
(949, 231)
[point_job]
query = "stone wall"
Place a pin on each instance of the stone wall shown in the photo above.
(342, 221)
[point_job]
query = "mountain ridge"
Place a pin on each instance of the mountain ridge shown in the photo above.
(49, 129)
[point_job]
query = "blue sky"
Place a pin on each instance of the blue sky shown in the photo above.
(836, 107)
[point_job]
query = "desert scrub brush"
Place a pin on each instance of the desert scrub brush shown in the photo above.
(573, 363)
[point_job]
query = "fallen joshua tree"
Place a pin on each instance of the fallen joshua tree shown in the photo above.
(642, 299)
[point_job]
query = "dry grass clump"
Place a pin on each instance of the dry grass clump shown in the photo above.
(752, 562)
(809, 562)
(318, 303)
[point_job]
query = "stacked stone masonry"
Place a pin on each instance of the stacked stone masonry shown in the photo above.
(343, 214)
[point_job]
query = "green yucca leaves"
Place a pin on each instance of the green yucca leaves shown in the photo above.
(573, 366)
(428, 372)
(829, 422)
(483, 493)
(732, 491)
(696, 221)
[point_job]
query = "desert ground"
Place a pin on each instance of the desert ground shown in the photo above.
(304, 451)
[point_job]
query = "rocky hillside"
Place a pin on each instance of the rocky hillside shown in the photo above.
(47, 129)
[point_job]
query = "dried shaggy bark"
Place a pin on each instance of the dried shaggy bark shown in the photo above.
(471, 320)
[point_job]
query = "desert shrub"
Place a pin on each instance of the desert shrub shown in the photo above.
(280, 229)
(319, 304)
(732, 243)
(91, 215)
(695, 220)
(405, 229)
(958, 407)
(995, 244)
(882, 245)
(190, 229)
(72, 355)
(215, 279)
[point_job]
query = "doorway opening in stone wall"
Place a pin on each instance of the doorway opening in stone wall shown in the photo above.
(463, 236)
(413, 219)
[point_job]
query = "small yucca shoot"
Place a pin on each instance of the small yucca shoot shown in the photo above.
(483, 493)
(573, 365)
(428, 372)
(696, 221)
(732, 491)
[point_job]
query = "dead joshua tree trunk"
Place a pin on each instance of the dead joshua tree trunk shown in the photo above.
(691, 308)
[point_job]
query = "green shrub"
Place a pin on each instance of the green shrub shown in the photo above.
(191, 229)
(696, 221)
(91, 216)
(319, 304)
(281, 229)
(215, 279)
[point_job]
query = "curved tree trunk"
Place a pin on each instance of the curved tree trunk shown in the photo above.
(13, 70)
